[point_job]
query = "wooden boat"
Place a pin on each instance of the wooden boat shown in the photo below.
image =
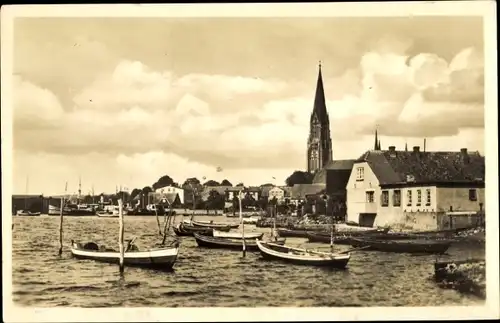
(27, 213)
(301, 256)
(344, 237)
(343, 227)
(184, 230)
(214, 225)
(403, 246)
(250, 220)
(228, 243)
(107, 215)
(237, 235)
(161, 258)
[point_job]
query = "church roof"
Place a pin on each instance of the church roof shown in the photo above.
(302, 190)
(342, 165)
(319, 108)
(394, 167)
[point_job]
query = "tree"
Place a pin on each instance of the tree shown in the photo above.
(192, 181)
(299, 177)
(134, 193)
(240, 184)
(145, 194)
(267, 185)
(225, 182)
(211, 183)
(215, 200)
(163, 181)
(125, 196)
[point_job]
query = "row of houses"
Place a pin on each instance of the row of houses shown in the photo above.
(282, 194)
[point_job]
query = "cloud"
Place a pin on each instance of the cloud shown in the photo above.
(34, 105)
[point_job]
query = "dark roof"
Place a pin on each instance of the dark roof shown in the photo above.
(301, 190)
(253, 189)
(344, 164)
(392, 167)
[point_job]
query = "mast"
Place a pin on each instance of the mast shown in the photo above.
(26, 197)
(79, 189)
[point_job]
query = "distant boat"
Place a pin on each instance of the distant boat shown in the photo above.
(237, 235)
(251, 220)
(214, 225)
(27, 213)
(107, 215)
(402, 246)
(184, 229)
(161, 258)
(301, 256)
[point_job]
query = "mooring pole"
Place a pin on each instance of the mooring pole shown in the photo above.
(120, 236)
(242, 226)
(61, 227)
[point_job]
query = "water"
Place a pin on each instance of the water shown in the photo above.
(207, 277)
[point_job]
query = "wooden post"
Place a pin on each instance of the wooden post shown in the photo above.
(157, 220)
(167, 224)
(331, 238)
(120, 237)
(61, 227)
(242, 226)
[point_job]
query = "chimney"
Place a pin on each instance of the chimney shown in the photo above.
(465, 155)
(416, 149)
(392, 148)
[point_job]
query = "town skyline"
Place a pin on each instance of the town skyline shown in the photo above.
(125, 108)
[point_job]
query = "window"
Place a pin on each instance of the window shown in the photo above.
(419, 197)
(472, 195)
(396, 200)
(370, 197)
(385, 198)
(408, 196)
(428, 197)
(360, 173)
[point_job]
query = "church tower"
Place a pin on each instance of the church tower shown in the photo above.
(319, 144)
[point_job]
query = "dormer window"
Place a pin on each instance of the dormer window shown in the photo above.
(360, 173)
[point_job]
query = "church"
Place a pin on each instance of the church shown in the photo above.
(330, 176)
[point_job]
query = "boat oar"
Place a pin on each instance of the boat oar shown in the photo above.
(354, 249)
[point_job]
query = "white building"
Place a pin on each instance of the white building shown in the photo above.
(172, 189)
(414, 189)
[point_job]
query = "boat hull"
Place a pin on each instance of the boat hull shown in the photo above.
(155, 258)
(213, 225)
(402, 246)
(292, 233)
(226, 243)
(337, 261)
(184, 230)
(237, 235)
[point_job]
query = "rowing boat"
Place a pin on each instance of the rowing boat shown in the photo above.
(214, 225)
(301, 256)
(161, 258)
(228, 243)
(403, 246)
(237, 235)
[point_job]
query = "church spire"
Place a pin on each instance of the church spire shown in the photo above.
(406, 146)
(319, 100)
(376, 146)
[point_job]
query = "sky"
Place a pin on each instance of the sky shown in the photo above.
(124, 101)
